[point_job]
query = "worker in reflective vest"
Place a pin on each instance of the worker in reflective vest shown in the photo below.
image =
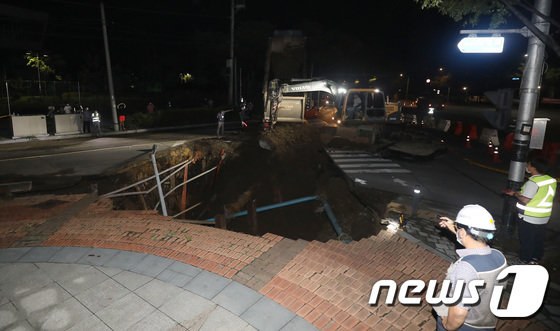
(535, 207)
(96, 120)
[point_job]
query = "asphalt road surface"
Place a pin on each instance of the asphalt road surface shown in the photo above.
(83, 156)
(446, 179)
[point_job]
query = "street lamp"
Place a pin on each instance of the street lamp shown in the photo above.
(38, 63)
(231, 62)
(407, 83)
(428, 81)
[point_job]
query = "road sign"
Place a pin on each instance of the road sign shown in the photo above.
(481, 45)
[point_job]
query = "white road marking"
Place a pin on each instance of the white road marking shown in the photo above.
(361, 162)
(365, 159)
(378, 171)
(367, 165)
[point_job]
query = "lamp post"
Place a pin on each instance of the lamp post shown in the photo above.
(407, 83)
(231, 61)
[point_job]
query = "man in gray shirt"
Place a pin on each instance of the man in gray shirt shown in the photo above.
(87, 120)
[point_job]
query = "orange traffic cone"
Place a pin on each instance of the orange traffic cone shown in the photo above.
(458, 129)
(496, 157)
(490, 147)
(473, 133)
(508, 144)
(468, 142)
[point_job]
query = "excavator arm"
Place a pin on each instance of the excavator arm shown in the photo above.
(276, 91)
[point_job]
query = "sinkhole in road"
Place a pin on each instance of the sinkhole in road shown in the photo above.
(293, 166)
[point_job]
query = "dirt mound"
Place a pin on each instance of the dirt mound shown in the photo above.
(281, 165)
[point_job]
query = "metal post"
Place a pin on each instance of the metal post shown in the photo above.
(529, 92)
(39, 73)
(184, 194)
(231, 68)
(240, 84)
(79, 95)
(407, 82)
(8, 96)
(109, 71)
(160, 191)
(415, 200)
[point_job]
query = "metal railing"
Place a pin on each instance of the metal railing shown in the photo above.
(158, 184)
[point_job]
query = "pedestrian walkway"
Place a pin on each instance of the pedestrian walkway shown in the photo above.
(80, 288)
(198, 277)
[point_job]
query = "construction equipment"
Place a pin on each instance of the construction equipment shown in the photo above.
(287, 102)
(290, 103)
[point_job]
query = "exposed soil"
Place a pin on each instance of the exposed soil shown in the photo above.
(292, 165)
(269, 167)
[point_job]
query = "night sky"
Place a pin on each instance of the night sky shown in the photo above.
(152, 40)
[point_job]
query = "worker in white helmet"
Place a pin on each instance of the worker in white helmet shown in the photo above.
(474, 228)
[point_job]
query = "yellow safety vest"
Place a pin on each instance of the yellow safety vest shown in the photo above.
(541, 204)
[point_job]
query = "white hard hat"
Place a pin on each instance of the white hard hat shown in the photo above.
(476, 216)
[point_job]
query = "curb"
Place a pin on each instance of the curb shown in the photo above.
(108, 133)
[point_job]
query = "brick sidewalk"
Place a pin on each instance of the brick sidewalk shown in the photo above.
(328, 284)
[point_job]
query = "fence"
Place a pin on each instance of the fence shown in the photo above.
(173, 171)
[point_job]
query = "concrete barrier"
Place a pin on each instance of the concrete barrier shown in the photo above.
(27, 126)
(68, 123)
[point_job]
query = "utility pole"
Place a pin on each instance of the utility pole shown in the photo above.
(529, 93)
(230, 61)
(109, 71)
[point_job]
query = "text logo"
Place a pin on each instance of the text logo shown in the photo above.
(527, 293)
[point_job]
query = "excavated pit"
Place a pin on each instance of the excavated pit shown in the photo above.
(292, 165)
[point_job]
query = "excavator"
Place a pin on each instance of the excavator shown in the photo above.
(291, 103)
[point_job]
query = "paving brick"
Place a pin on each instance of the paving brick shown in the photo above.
(304, 310)
(382, 325)
(372, 320)
(332, 311)
(361, 327)
(340, 317)
(312, 316)
(391, 316)
(321, 321)
(350, 322)
(331, 326)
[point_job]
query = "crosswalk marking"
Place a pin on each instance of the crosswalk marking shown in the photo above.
(362, 162)
(378, 171)
(367, 165)
(364, 159)
(337, 155)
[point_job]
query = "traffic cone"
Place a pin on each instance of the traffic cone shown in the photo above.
(508, 144)
(490, 147)
(468, 142)
(496, 157)
(458, 129)
(473, 133)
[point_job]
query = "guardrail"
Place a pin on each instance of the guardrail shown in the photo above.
(159, 181)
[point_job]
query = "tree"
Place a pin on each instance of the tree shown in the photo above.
(41, 65)
(498, 10)
(469, 11)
